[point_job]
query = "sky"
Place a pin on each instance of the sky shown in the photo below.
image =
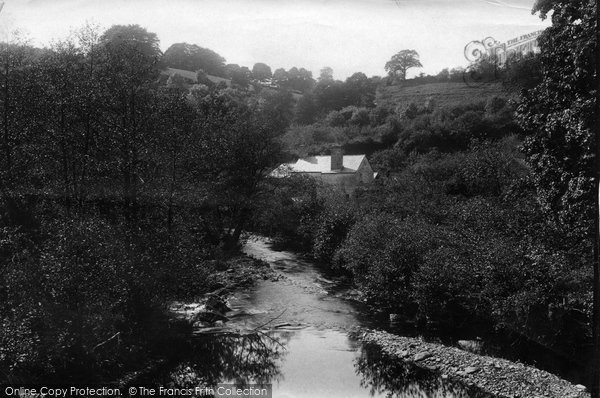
(346, 35)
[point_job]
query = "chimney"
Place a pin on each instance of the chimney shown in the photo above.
(337, 158)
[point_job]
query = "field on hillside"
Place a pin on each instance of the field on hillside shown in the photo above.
(443, 93)
(192, 76)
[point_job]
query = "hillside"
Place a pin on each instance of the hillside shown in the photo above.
(192, 76)
(451, 93)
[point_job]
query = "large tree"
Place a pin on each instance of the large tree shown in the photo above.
(401, 62)
(238, 145)
(193, 57)
(130, 68)
(326, 75)
(261, 72)
(560, 116)
(280, 77)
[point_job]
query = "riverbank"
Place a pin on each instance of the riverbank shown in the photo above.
(182, 316)
(499, 377)
(210, 308)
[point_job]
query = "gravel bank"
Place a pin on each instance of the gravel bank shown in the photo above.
(499, 377)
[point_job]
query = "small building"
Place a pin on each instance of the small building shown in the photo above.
(347, 172)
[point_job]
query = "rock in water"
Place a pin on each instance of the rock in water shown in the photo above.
(215, 303)
(210, 317)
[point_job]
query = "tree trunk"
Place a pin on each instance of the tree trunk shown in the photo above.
(233, 239)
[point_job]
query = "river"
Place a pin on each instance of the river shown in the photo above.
(299, 334)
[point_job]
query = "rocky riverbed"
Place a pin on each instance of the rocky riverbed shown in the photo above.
(210, 308)
(498, 377)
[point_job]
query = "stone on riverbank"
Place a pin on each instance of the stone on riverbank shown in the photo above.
(498, 377)
(421, 356)
(474, 346)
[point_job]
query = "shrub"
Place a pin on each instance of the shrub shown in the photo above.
(360, 117)
(383, 253)
(331, 227)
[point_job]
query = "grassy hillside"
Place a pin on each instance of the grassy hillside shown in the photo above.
(451, 93)
(192, 76)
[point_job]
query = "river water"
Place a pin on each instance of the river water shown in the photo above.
(298, 334)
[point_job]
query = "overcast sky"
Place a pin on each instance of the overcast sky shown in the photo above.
(347, 35)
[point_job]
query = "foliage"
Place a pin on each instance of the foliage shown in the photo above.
(193, 57)
(522, 74)
(326, 74)
(331, 227)
(261, 72)
(401, 62)
(300, 80)
(383, 253)
(119, 190)
(288, 211)
(86, 282)
(559, 118)
(357, 90)
(239, 75)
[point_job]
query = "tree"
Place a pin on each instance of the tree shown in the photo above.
(261, 72)
(299, 79)
(238, 146)
(130, 66)
(193, 57)
(239, 75)
(177, 81)
(444, 75)
(306, 110)
(276, 106)
(559, 116)
(522, 73)
(360, 90)
(401, 62)
(326, 75)
(280, 77)
(202, 78)
(18, 90)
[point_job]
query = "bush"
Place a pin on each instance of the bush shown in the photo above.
(335, 119)
(360, 117)
(382, 253)
(331, 227)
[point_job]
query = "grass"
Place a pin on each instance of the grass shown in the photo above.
(444, 94)
(192, 76)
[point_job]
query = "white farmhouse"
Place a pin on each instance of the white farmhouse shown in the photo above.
(347, 172)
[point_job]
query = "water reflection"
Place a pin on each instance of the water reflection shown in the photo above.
(231, 358)
(308, 364)
(308, 352)
(386, 376)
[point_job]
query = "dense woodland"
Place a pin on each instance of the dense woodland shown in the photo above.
(120, 191)
(123, 188)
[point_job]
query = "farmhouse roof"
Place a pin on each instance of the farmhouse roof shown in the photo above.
(322, 164)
